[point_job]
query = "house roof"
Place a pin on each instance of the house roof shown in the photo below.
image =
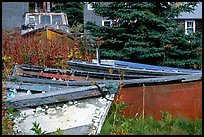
(197, 14)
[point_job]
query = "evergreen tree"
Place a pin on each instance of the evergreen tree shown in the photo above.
(74, 11)
(146, 32)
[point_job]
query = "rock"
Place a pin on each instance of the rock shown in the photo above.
(58, 107)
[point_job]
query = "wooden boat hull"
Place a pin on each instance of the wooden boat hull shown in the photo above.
(179, 99)
(25, 70)
(60, 95)
(126, 69)
(180, 95)
(51, 34)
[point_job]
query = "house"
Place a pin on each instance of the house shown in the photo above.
(40, 6)
(191, 22)
(12, 14)
(90, 16)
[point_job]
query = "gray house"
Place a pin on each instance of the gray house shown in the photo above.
(191, 22)
(12, 14)
(90, 16)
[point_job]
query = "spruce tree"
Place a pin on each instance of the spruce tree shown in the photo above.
(74, 11)
(146, 32)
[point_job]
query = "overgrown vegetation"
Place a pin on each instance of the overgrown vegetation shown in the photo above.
(141, 42)
(39, 51)
(147, 32)
(74, 11)
(7, 118)
(38, 130)
(117, 124)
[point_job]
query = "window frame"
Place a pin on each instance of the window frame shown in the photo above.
(105, 21)
(90, 6)
(186, 27)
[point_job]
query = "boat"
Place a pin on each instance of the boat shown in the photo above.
(26, 70)
(48, 24)
(176, 90)
(122, 67)
(22, 95)
(173, 91)
(73, 110)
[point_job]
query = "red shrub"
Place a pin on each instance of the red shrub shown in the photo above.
(38, 50)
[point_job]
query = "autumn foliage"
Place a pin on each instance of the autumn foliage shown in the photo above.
(37, 50)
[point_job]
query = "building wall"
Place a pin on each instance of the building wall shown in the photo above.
(12, 14)
(89, 15)
(198, 26)
(197, 13)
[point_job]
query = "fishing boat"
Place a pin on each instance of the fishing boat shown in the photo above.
(48, 24)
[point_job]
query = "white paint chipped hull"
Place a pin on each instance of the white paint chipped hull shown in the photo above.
(82, 117)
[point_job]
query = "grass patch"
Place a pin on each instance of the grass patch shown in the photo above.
(117, 124)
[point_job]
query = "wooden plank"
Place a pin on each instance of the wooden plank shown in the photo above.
(154, 67)
(34, 71)
(86, 66)
(34, 87)
(162, 79)
(52, 97)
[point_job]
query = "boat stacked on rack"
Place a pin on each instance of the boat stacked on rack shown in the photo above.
(146, 89)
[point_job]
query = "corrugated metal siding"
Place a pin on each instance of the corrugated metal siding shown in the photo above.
(12, 14)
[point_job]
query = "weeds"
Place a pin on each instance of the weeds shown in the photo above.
(38, 50)
(58, 132)
(37, 129)
(7, 118)
(117, 124)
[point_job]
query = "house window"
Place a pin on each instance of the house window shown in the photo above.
(90, 6)
(189, 26)
(106, 23)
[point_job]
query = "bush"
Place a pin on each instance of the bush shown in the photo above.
(117, 124)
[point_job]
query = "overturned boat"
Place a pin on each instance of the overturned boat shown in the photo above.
(75, 109)
(173, 91)
(34, 90)
(123, 67)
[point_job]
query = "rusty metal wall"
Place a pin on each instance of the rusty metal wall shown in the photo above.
(179, 99)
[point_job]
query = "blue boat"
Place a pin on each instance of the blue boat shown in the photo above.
(123, 67)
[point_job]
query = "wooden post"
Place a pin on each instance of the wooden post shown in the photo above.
(48, 6)
(143, 102)
(98, 43)
(98, 55)
(44, 7)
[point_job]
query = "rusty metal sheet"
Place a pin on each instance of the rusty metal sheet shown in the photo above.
(179, 99)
